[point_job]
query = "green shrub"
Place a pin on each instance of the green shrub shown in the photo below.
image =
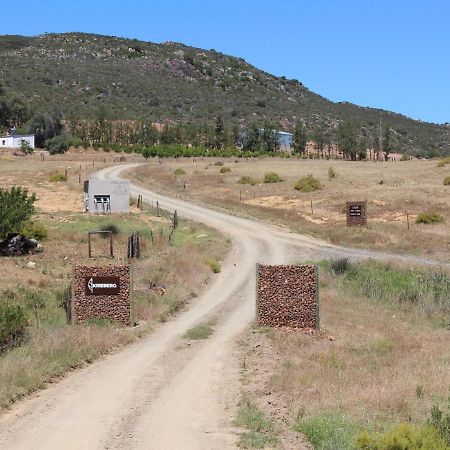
(213, 264)
(429, 218)
(340, 266)
(114, 229)
(331, 173)
(13, 321)
(329, 431)
(440, 421)
(402, 437)
(34, 230)
(16, 207)
(26, 147)
(308, 184)
(247, 180)
(225, 169)
(57, 177)
(447, 181)
(272, 177)
(180, 171)
(57, 145)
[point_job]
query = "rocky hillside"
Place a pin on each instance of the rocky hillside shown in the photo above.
(87, 76)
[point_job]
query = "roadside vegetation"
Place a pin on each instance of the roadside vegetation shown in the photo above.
(201, 331)
(37, 344)
(375, 375)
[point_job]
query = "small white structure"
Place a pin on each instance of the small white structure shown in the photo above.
(15, 140)
(107, 196)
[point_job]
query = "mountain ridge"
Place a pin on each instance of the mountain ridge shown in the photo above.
(85, 75)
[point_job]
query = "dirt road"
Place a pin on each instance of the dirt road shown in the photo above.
(161, 393)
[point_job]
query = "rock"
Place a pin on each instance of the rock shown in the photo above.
(31, 265)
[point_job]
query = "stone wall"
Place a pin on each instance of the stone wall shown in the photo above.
(102, 292)
(288, 296)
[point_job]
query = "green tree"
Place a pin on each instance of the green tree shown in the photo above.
(45, 126)
(13, 110)
(347, 142)
(387, 143)
(252, 138)
(269, 138)
(16, 208)
(299, 139)
(167, 135)
(219, 132)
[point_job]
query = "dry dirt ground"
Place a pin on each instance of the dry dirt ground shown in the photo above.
(163, 393)
(392, 190)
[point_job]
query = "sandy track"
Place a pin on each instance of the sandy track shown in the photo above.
(157, 394)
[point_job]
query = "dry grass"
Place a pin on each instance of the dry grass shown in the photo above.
(385, 363)
(392, 190)
(165, 279)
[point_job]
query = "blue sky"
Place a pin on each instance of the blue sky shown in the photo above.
(392, 54)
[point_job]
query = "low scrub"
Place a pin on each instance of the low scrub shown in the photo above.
(331, 173)
(443, 162)
(340, 266)
(260, 430)
(180, 171)
(218, 163)
(57, 145)
(225, 169)
(57, 177)
(426, 289)
(213, 264)
(447, 181)
(13, 321)
(246, 179)
(404, 436)
(34, 230)
(111, 227)
(272, 177)
(440, 421)
(308, 184)
(329, 431)
(430, 217)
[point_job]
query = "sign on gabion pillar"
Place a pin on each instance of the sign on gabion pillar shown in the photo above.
(287, 296)
(102, 292)
(356, 213)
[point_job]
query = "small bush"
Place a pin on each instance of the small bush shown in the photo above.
(308, 184)
(180, 171)
(26, 148)
(13, 321)
(247, 180)
(443, 162)
(403, 436)
(57, 177)
(329, 431)
(331, 173)
(272, 177)
(440, 421)
(225, 169)
(34, 230)
(340, 266)
(429, 218)
(57, 145)
(114, 229)
(218, 163)
(213, 264)
(447, 181)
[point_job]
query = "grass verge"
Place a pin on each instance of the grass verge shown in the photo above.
(201, 331)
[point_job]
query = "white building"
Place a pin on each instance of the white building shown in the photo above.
(107, 196)
(15, 141)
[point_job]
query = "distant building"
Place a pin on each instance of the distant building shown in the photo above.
(107, 196)
(285, 140)
(15, 140)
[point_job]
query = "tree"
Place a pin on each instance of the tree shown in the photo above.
(252, 138)
(387, 144)
(319, 138)
(16, 207)
(45, 126)
(167, 135)
(362, 148)
(57, 145)
(269, 139)
(13, 110)
(219, 132)
(347, 142)
(299, 139)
